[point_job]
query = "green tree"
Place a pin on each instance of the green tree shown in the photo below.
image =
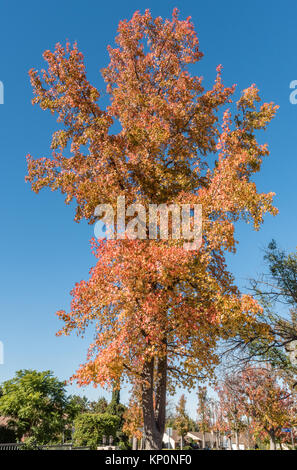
(99, 406)
(115, 407)
(36, 404)
(79, 404)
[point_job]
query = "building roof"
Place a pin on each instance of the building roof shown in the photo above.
(174, 436)
(198, 436)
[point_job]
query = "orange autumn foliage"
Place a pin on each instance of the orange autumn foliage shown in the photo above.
(152, 301)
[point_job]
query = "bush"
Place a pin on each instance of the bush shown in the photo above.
(90, 428)
(29, 444)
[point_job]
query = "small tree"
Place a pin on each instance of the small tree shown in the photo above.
(203, 412)
(182, 420)
(229, 403)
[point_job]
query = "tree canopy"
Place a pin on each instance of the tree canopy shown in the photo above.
(159, 310)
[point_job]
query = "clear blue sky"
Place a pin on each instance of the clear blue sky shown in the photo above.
(43, 251)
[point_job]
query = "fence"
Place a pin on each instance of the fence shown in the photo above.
(20, 445)
(11, 446)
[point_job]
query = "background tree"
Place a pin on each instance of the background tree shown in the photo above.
(159, 309)
(266, 401)
(219, 424)
(203, 412)
(276, 290)
(133, 417)
(182, 421)
(171, 416)
(170, 413)
(79, 404)
(115, 407)
(229, 403)
(99, 406)
(36, 405)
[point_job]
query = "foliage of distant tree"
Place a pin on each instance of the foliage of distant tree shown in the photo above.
(182, 421)
(79, 404)
(231, 413)
(203, 412)
(115, 407)
(36, 405)
(133, 416)
(99, 406)
(276, 290)
(258, 394)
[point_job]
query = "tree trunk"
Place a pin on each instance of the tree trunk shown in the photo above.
(161, 388)
(154, 403)
(203, 439)
(249, 434)
(134, 443)
(237, 440)
(181, 443)
(292, 439)
(272, 440)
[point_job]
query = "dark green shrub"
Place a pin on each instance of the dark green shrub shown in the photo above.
(90, 428)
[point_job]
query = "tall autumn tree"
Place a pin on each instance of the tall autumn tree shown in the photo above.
(159, 309)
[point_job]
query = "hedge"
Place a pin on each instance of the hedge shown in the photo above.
(89, 428)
